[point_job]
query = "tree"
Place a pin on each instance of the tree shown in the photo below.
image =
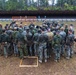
(38, 3)
(53, 2)
(46, 3)
(1, 5)
(20, 5)
(11, 5)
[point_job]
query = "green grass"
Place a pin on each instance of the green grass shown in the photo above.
(5, 22)
(36, 23)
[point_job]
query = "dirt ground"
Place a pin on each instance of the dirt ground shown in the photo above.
(10, 66)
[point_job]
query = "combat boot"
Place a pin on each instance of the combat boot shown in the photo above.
(6, 56)
(45, 60)
(40, 61)
(67, 58)
(56, 60)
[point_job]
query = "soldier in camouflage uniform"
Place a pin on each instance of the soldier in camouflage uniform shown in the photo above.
(10, 43)
(32, 31)
(49, 43)
(35, 40)
(42, 40)
(63, 37)
(14, 34)
(0, 39)
(69, 44)
(29, 41)
(56, 45)
(5, 40)
(72, 28)
(21, 44)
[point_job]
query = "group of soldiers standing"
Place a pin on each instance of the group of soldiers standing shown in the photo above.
(32, 40)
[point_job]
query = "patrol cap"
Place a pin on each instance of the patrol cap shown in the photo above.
(66, 24)
(62, 28)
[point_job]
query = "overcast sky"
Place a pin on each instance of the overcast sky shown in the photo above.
(50, 1)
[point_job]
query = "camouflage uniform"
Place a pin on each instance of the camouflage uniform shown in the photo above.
(63, 37)
(35, 40)
(42, 40)
(69, 45)
(0, 41)
(29, 43)
(56, 44)
(21, 44)
(10, 42)
(49, 43)
(15, 42)
(5, 39)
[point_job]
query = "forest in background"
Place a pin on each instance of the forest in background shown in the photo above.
(22, 5)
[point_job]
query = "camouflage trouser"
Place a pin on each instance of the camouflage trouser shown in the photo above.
(42, 51)
(0, 48)
(49, 49)
(15, 48)
(10, 48)
(22, 50)
(57, 52)
(36, 49)
(69, 51)
(62, 49)
(5, 49)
